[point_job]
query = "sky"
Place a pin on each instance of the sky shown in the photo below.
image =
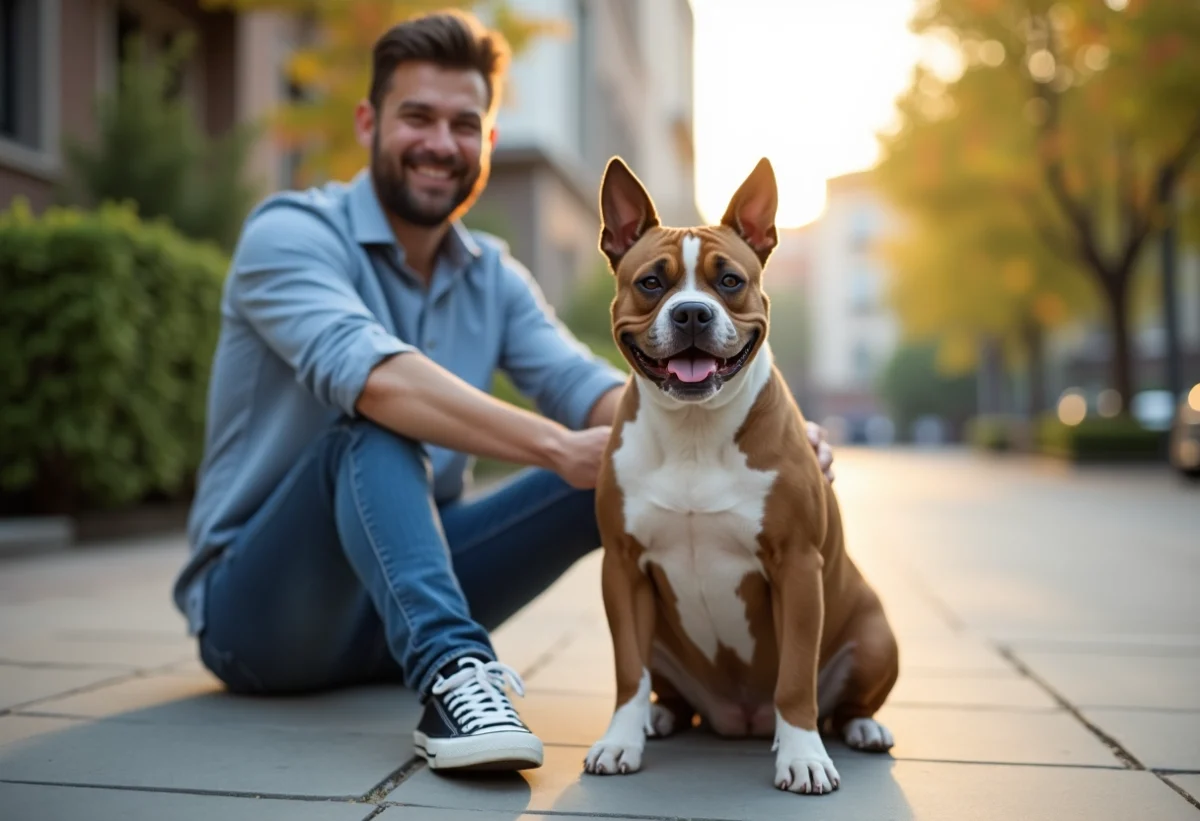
(806, 83)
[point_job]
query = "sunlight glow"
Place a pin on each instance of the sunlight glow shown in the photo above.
(803, 82)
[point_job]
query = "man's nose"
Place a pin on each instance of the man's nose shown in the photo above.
(440, 139)
(691, 317)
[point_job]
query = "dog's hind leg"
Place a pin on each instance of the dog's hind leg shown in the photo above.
(872, 675)
(670, 711)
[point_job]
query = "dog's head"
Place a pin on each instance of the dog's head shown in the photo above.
(690, 313)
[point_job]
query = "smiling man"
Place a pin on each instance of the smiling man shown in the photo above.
(331, 542)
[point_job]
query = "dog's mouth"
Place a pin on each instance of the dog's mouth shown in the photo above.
(691, 368)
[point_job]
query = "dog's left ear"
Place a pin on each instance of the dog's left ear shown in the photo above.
(751, 212)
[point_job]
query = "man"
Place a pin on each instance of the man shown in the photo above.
(361, 326)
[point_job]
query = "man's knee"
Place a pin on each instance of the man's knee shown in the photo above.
(369, 443)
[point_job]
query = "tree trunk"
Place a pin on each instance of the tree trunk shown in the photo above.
(1035, 352)
(1117, 296)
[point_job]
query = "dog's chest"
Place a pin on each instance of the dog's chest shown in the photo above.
(696, 507)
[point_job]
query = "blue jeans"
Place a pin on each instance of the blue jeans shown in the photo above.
(350, 573)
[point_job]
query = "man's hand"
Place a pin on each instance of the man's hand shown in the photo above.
(816, 438)
(580, 454)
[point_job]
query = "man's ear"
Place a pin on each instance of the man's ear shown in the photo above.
(626, 211)
(751, 211)
(364, 123)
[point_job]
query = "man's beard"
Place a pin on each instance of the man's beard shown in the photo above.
(389, 176)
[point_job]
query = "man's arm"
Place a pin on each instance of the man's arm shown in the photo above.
(290, 282)
(569, 383)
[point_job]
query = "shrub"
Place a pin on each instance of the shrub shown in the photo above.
(998, 432)
(150, 150)
(107, 328)
(1100, 440)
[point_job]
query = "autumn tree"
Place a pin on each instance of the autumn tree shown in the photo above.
(1053, 153)
(333, 68)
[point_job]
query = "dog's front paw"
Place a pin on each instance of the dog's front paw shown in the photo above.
(867, 734)
(613, 756)
(809, 776)
(801, 763)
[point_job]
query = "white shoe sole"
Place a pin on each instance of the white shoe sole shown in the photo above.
(491, 751)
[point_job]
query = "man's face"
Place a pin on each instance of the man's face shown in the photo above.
(430, 142)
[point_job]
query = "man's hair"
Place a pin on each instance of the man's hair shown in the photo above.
(450, 39)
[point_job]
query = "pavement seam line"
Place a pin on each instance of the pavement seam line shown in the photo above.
(1182, 792)
(397, 777)
(117, 678)
(341, 799)
(1123, 755)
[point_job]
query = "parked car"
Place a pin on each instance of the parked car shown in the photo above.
(1184, 443)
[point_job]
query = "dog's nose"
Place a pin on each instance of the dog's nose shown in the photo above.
(691, 316)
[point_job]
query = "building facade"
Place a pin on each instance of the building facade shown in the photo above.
(854, 330)
(619, 83)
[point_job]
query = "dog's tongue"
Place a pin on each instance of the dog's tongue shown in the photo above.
(692, 370)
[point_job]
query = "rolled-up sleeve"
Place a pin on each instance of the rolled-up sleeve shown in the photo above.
(291, 283)
(545, 361)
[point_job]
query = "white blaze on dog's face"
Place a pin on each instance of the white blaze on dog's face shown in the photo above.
(689, 312)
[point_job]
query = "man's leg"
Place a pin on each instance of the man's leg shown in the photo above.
(514, 541)
(343, 576)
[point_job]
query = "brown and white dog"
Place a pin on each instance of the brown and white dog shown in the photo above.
(728, 589)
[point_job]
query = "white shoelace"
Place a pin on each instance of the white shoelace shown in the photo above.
(477, 698)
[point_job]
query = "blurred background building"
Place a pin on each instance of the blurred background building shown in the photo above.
(572, 103)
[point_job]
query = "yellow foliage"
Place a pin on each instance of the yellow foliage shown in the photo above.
(335, 69)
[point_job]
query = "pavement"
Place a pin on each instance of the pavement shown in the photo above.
(1049, 628)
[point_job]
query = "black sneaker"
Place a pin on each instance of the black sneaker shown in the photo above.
(470, 724)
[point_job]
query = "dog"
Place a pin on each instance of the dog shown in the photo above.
(728, 590)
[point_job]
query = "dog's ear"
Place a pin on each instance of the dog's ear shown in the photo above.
(751, 211)
(626, 211)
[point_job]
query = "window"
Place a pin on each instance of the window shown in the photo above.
(862, 227)
(863, 367)
(28, 101)
(864, 287)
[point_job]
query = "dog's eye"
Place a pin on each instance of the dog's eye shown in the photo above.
(730, 282)
(650, 283)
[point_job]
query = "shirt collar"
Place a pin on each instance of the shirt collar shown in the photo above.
(371, 226)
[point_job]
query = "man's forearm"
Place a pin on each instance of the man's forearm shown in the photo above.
(604, 412)
(415, 397)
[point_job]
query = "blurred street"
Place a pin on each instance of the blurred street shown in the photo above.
(1050, 647)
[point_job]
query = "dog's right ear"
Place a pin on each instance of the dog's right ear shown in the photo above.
(626, 211)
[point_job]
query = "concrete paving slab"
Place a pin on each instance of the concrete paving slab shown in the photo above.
(696, 785)
(936, 734)
(1170, 682)
(197, 699)
(115, 650)
(29, 801)
(21, 684)
(223, 758)
(1160, 740)
(434, 814)
(982, 692)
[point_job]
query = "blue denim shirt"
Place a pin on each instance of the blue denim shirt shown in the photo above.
(317, 295)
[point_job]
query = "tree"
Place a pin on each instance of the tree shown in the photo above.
(334, 70)
(150, 150)
(1053, 145)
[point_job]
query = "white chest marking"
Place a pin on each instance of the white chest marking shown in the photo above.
(695, 505)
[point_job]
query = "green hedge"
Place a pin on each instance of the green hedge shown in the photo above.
(107, 328)
(1100, 440)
